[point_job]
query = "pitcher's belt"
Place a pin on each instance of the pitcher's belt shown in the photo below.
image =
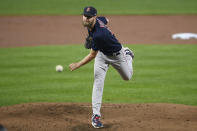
(114, 54)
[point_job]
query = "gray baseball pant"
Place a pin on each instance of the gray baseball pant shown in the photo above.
(122, 63)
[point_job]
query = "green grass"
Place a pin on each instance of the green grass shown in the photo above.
(115, 7)
(162, 74)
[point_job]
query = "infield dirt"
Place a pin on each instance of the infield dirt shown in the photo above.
(50, 30)
(116, 117)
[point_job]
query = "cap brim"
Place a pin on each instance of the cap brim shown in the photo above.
(88, 14)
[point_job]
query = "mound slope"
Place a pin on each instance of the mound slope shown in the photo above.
(116, 117)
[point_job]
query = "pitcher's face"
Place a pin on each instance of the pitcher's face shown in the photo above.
(88, 21)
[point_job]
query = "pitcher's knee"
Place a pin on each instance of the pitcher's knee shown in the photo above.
(128, 77)
(98, 83)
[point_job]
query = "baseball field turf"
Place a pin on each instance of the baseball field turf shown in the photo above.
(162, 73)
(110, 7)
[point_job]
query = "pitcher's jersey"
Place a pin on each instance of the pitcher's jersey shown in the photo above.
(103, 39)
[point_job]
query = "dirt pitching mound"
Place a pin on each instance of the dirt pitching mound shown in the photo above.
(116, 117)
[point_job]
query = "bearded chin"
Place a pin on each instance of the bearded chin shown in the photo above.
(89, 25)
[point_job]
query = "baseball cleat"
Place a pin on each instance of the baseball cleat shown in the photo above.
(129, 52)
(96, 123)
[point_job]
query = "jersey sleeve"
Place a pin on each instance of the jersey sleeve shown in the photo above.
(94, 47)
(103, 19)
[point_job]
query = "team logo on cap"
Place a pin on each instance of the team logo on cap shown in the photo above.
(88, 9)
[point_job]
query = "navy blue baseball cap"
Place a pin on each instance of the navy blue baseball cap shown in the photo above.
(89, 11)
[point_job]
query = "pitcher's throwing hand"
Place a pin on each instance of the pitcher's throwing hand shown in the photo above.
(73, 66)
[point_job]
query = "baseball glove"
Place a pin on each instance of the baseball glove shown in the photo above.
(88, 42)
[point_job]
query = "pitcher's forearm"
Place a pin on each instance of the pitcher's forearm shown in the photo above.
(86, 60)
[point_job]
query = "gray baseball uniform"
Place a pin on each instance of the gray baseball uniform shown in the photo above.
(110, 52)
(122, 63)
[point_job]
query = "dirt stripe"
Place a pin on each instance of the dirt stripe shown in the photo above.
(49, 30)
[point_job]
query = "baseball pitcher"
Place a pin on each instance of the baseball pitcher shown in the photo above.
(106, 50)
